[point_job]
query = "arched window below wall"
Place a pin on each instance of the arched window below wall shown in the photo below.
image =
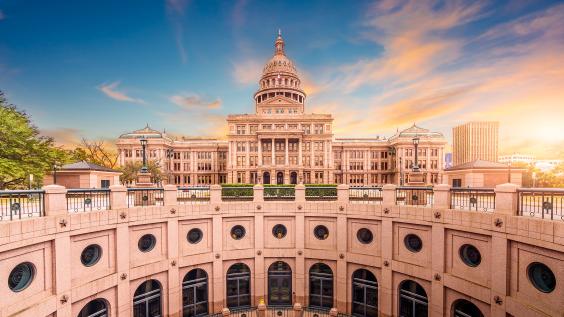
(147, 300)
(364, 294)
(95, 308)
(321, 286)
(464, 308)
(413, 300)
(279, 284)
(238, 286)
(195, 293)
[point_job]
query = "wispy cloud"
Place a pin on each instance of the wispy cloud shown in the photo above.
(247, 71)
(194, 101)
(66, 137)
(111, 91)
(175, 12)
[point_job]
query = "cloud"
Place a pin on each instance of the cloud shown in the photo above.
(193, 101)
(175, 12)
(247, 71)
(111, 91)
(205, 124)
(65, 137)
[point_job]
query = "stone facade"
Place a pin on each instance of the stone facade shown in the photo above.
(282, 144)
(476, 140)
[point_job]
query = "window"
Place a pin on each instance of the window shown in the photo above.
(470, 255)
(147, 299)
(238, 286)
(413, 300)
(464, 308)
(105, 183)
(21, 276)
(146, 243)
(279, 284)
(241, 129)
(364, 236)
(238, 232)
(413, 243)
(456, 182)
(279, 231)
(321, 286)
(195, 293)
(195, 235)
(91, 255)
(321, 232)
(541, 276)
(364, 294)
(94, 308)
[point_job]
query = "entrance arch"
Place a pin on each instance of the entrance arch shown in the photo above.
(195, 293)
(364, 294)
(279, 178)
(413, 300)
(321, 286)
(266, 178)
(147, 299)
(279, 284)
(238, 286)
(293, 178)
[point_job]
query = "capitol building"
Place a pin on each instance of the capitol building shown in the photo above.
(280, 143)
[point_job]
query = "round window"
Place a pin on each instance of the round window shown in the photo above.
(194, 235)
(541, 277)
(147, 243)
(413, 243)
(364, 236)
(238, 232)
(279, 231)
(321, 232)
(91, 255)
(21, 276)
(470, 255)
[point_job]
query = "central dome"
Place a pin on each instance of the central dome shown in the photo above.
(279, 63)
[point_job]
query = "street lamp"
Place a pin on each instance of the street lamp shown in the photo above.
(169, 156)
(143, 141)
(55, 167)
(415, 166)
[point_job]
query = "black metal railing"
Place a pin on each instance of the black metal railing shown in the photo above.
(193, 195)
(237, 193)
(319, 193)
(280, 311)
(315, 312)
(414, 196)
(545, 203)
(343, 315)
(88, 199)
(243, 312)
(145, 197)
(21, 204)
(279, 193)
(478, 199)
(366, 195)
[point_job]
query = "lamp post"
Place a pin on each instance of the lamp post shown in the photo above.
(169, 156)
(143, 141)
(55, 167)
(415, 166)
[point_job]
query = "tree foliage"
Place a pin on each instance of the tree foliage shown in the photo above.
(23, 151)
(535, 177)
(130, 170)
(97, 152)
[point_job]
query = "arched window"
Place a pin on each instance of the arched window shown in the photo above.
(413, 300)
(364, 294)
(195, 293)
(279, 284)
(464, 308)
(238, 286)
(95, 308)
(147, 300)
(321, 286)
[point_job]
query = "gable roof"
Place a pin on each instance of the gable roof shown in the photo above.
(479, 164)
(86, 166)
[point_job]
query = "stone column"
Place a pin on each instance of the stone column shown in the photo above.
(261, 309)
(218, 280)
(298, 310)
(258, 193)
(273, 155)
(55, 200)
(441, 196)
(300, 154)
(259, 152)
(286, 160)
(343, 194)
(506, 198)
(118, 197)
(389, 194)
(215, 194)
(300, 193)
(170, 193)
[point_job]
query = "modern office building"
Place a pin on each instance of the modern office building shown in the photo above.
(281, 143)
(476, 140)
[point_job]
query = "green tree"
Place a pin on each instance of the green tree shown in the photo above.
(23, 151)
(96, 151)
(130, 170)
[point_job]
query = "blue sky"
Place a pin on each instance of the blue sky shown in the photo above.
(100, 68)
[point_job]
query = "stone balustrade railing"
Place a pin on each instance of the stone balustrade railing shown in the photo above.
(505, 199)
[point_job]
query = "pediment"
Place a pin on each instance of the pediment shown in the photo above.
(280, 100)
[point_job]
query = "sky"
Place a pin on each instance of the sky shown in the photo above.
(97, 69)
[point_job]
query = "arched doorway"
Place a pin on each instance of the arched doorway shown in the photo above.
(293, 178)
(321, 286)
(238, 286)
(266, 178)
(464, 308)
(279, 178)
(195, 293)
(364, 294)
(413, 300)
(279, 284)
(94, 308)
(147, 299)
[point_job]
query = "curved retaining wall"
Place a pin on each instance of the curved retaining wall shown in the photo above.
(499, 286)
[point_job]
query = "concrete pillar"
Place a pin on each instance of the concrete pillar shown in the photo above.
(118, 197)
(300, 193)
(122, 267)
(55, 200)
(298, 310)
(389, 194)
(62, 278)
(217, 280)
(506, 198)
(174, 281)
(343, 194)
(260, 278)
(215, 194)
(441, 196)
(385, 286)
(273, 155)
(170, 193)
(286, 160)
(261, 309)
(258, 193)
(341, 274)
